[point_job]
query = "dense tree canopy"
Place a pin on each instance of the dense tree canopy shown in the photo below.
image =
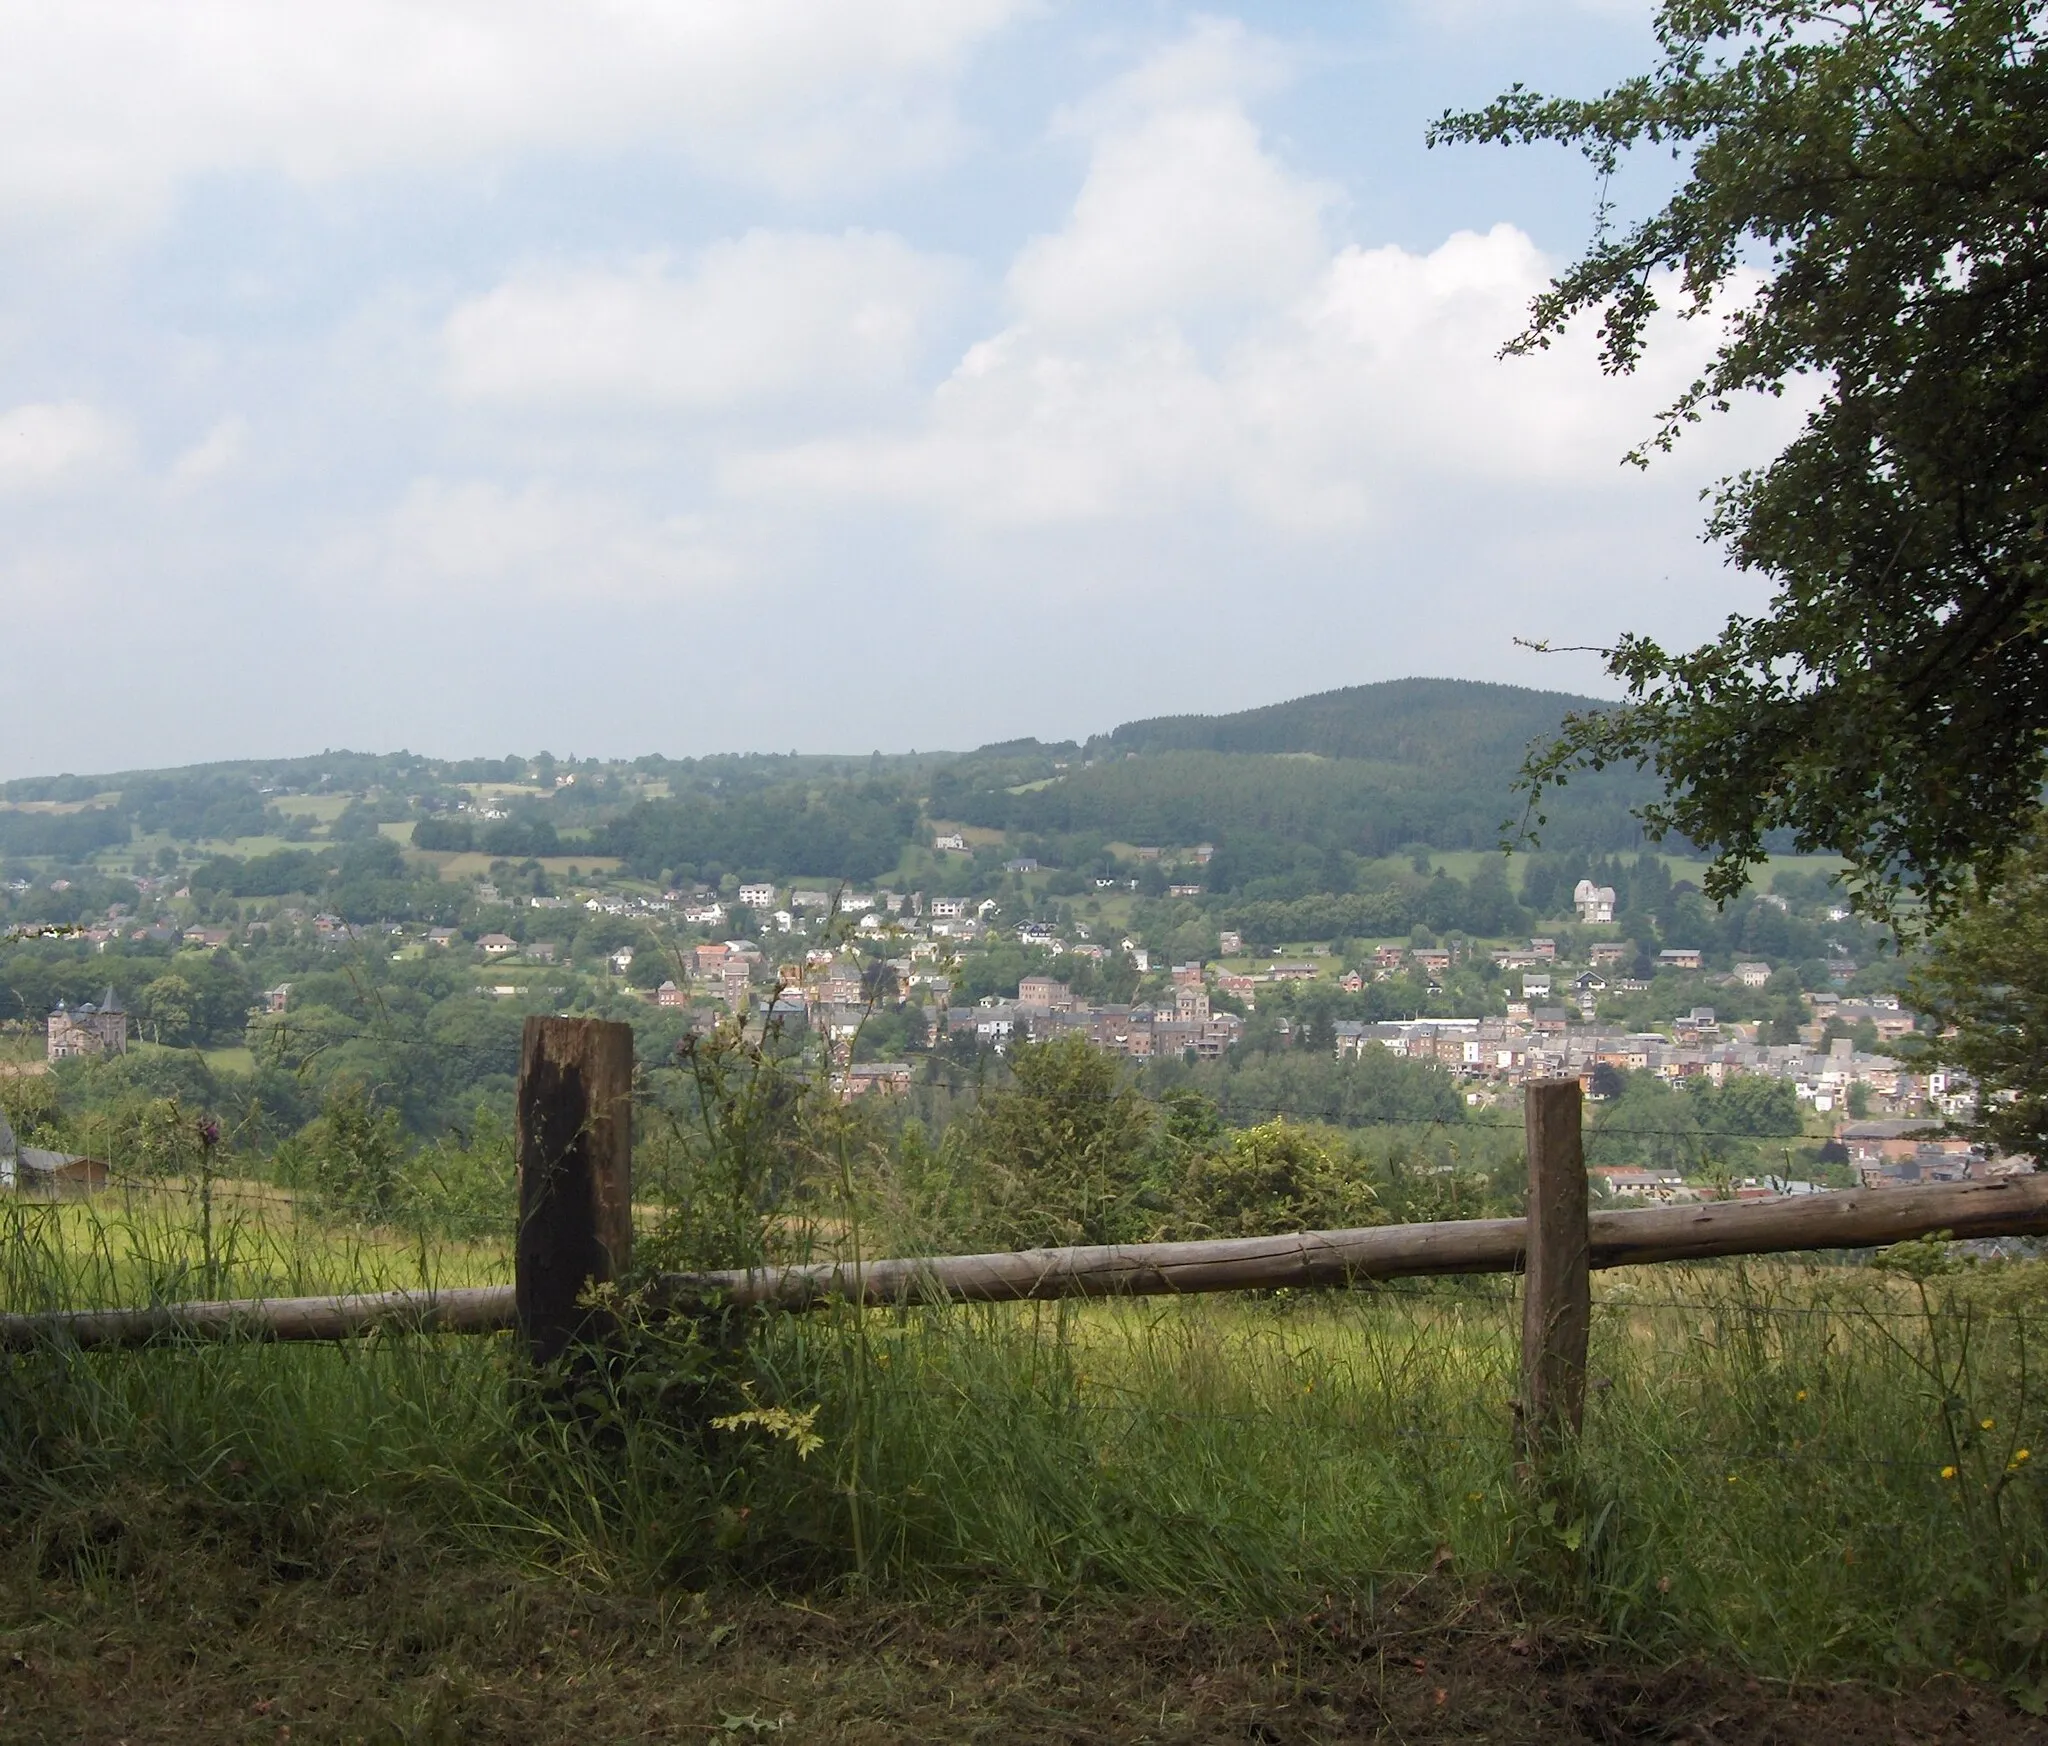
(1985, 989)
(1885, 163)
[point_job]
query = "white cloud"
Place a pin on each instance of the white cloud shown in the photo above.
(539, 542)
(216, 454)
(106, 105)
(55, 445)
(767, 316)
(1190, 338)
(1181, 215)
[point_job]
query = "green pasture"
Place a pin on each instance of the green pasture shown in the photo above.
(471, 863)
(1800, 1470)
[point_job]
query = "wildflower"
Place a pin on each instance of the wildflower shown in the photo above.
(1948, 1473)
(2019, 1455)
(1987, 1424)
(1801, 1395)
(1731, 1479)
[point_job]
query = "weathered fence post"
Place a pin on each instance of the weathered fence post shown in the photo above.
(1557, 1287)
(575, 1152)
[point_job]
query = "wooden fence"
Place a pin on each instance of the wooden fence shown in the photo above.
(575, 1230)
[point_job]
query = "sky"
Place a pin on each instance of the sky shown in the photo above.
(624, 376)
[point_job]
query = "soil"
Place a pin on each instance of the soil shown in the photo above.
(108, 1635)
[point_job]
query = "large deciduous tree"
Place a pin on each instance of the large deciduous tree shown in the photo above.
(1865, 203)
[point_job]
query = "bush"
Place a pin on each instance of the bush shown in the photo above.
(1279, 1177)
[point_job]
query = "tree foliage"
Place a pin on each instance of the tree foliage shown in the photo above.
(1063, 1150)
(1886, 161)
(1985, 987)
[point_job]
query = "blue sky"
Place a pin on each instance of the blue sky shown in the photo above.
(479, 375)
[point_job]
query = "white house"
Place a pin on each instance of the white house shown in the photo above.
(758, 896)
(1595, 903)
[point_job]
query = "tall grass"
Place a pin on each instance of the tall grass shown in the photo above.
(1807, 1469)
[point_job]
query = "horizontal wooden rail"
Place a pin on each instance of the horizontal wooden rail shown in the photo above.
(1856, 1219)
(481, 1309)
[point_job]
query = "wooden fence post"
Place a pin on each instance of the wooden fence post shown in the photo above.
(575, 1151)
(1557, 1294)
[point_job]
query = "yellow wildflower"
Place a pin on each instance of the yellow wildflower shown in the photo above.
(1987, 1424)
(2019, 1455)
(1948, 1473)
(1801, 1395)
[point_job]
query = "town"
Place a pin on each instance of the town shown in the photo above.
(997, 944)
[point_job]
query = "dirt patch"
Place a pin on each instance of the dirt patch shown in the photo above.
(347, 1630)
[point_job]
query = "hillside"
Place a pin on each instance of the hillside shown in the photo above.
(1363, 771)
(1462, 724)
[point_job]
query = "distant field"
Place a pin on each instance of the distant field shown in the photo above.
(107, 799)
(235, 1058)
(469, 863)
(398, 833)
(976, 835)
(324, 807)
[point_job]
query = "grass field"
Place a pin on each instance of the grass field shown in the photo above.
(1790, 1474)
(470, 863)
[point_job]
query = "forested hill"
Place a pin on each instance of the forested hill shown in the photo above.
(1361, 771)
(1297, 791)
(1477, 730)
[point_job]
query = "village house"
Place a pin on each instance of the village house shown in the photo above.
(33, 1170)
(840, 986)
(1595, 903)
(94, 1028)
(1229, 943)
(950, 840)
(497, 945)
(1607, 952)
(758, 896)
(1752, 975)
(892, 1078)
(443, 937)
(669, 995)
(1679, 958)
(1636, 1182)
(1045, 994)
